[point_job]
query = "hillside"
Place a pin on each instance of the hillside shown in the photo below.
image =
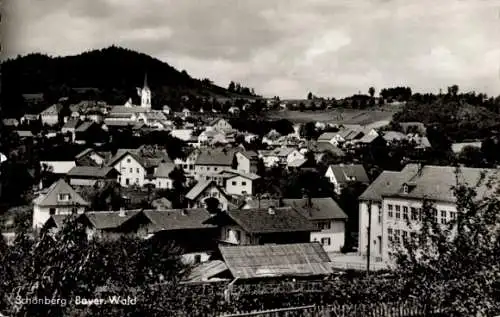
(113, 74)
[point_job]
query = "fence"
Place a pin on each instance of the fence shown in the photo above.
(402, 309)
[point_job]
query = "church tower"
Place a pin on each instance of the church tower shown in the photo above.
(145, 94)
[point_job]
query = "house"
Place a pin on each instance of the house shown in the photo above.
(166, 109)
(271, 138)
(324, 147)
(280, 156)
(239, 183)
(161, 177)
(92, 176)
(186, 112)
(191, 229)
(212, 161)
(394, 201)
(234, 110)
(183, 134)
(24, 134)
(247, 161)
(114, 224)
(70, 127)
(58, 167)
(342, 136)
(208, 190)
(393, 136)
(29, 118)
(220, 124)
(250, 137)
(209, 137)
(59, 199)
(136, 166)
(50, 116)
(10, 122)
(99, 158)
(458, 147)
(91, 132)
(326, 216)
(341, 175)
(209, 271)
(263, 226)
(276, 261)
(188, 163)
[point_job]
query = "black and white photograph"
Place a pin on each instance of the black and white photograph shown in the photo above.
(266, 158)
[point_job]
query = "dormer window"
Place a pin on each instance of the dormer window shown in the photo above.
(63, 197)
(405, 189)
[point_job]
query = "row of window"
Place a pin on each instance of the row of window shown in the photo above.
(234, 183)
(131, 170)
(403, 212)
(397, 235)
(208, 168)
(324, 241)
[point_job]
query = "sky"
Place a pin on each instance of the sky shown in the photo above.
(280, 47)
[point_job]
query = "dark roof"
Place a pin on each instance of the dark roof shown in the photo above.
(321, 208)
(200, 187)
(204, 272)
(273, 260)
(109, 219)
(146, 160)
(218, 157)
(386, 182)
(71, 124)
(84, 126)
(283, 219)
(179, 219)
(164, 170)
(92, 171)
(325, 147)
(345, 173)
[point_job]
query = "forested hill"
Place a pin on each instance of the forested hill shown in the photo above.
(113, 73)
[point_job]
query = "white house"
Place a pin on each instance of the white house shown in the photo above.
(212, 161)
(130, 166)
(340, 175)
(247, 161)
(280, 156)
(239, 183)
(93, 155)
(220, 124)
(395, 199)
(50, 116)
(183, 134)
(188, 163)
(59, 199)
(58, 167)
(161, 177)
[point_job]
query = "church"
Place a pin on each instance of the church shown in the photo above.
(144, 93)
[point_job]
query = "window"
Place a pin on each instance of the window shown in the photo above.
(197, 258)
(324, 225)
(405, 235)
(414, 214)
(398, 212)
(127, 181)
(379, 215)
(52, 211)
(244, 183)
(215, 169)
(137, 180)
(128, 160)
(74, 210)
(405, 213)
(237, 234)
(207, 178)
(233, 183)
(137, 170)
(131, 170)
(325, 241)
(389, 234)
(63, 197)
(443, 217)
(405, 189)
(397, 234)
(419, 212)
(453, 215)
(434, 215)
(390, 212)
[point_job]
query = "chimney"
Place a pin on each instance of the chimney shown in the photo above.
(271, 210)
(122, 212)
(280, 202)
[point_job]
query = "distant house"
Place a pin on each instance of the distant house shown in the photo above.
(203, 190)
(33, 99)
(186, 112)
(166, 110)
(458, 147)
(99, 158)
(212, 161)
(280, 156)
(92, 176)
(344, 135)
(301, 260)
(211, 137)
(220, 124)
(393, 136)
(29, 118)
(59, 199)
(263, 226)
(114, 224)
(24, 134)
(271, 138)
(234, 110)
(324, 147)
(89, 131)
(247, 161)
(58, 167)
(70, 127)
(239, 183)
(161, 177)
(10, 122)
(183, 134)
(188, 163)
(341, 175)
(50, 116)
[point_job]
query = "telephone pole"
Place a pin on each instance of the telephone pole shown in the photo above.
(368, 253)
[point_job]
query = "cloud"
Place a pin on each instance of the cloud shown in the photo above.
(280, 47)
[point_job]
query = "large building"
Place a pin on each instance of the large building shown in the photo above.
(395, 200)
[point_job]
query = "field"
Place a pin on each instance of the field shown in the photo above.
(338, 116)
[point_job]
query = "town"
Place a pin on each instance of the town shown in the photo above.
(251, 192)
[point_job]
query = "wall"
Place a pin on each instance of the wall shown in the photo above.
(50, 119)
(243, 163)
(295, 155)
(82, 182)
(42, 214)
(238, 188)
(376, 228)
(336, 233)
(228, 233)
(161, 182)
(59, 167)
(131, 170)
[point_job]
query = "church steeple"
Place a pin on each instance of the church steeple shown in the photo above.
(145, 94)
(145, 80)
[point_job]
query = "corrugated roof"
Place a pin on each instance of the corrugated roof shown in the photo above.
(179, 219)
(284, 219)
(229, 173)
(203, 272)
(256, 261)
(198, 189)
(91, 171)
(51, 197)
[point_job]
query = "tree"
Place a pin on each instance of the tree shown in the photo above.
(455, 265)
(471, 156)
(371, 92)
(178, 183)
(309, 96)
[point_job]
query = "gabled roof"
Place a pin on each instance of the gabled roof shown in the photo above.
(109, 219)
(206, 271)
(251, 155)
(121, 153)
(345, 173)
(24, 134)
(325, 147)
(51, 196)
(230, 173)
(179, 219)
(284, 219)
(368, 138)
(216, 120)
(199, 188)
(52, 110)
(274, 260)
(217, 157)
(164, 170)
(92, 171)
(147, 160)
(71, 124)
(327, 136)
(297, 163)
(393, 136)
(85, 152)
(320, 209)
(84, 126)
(125, 109)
